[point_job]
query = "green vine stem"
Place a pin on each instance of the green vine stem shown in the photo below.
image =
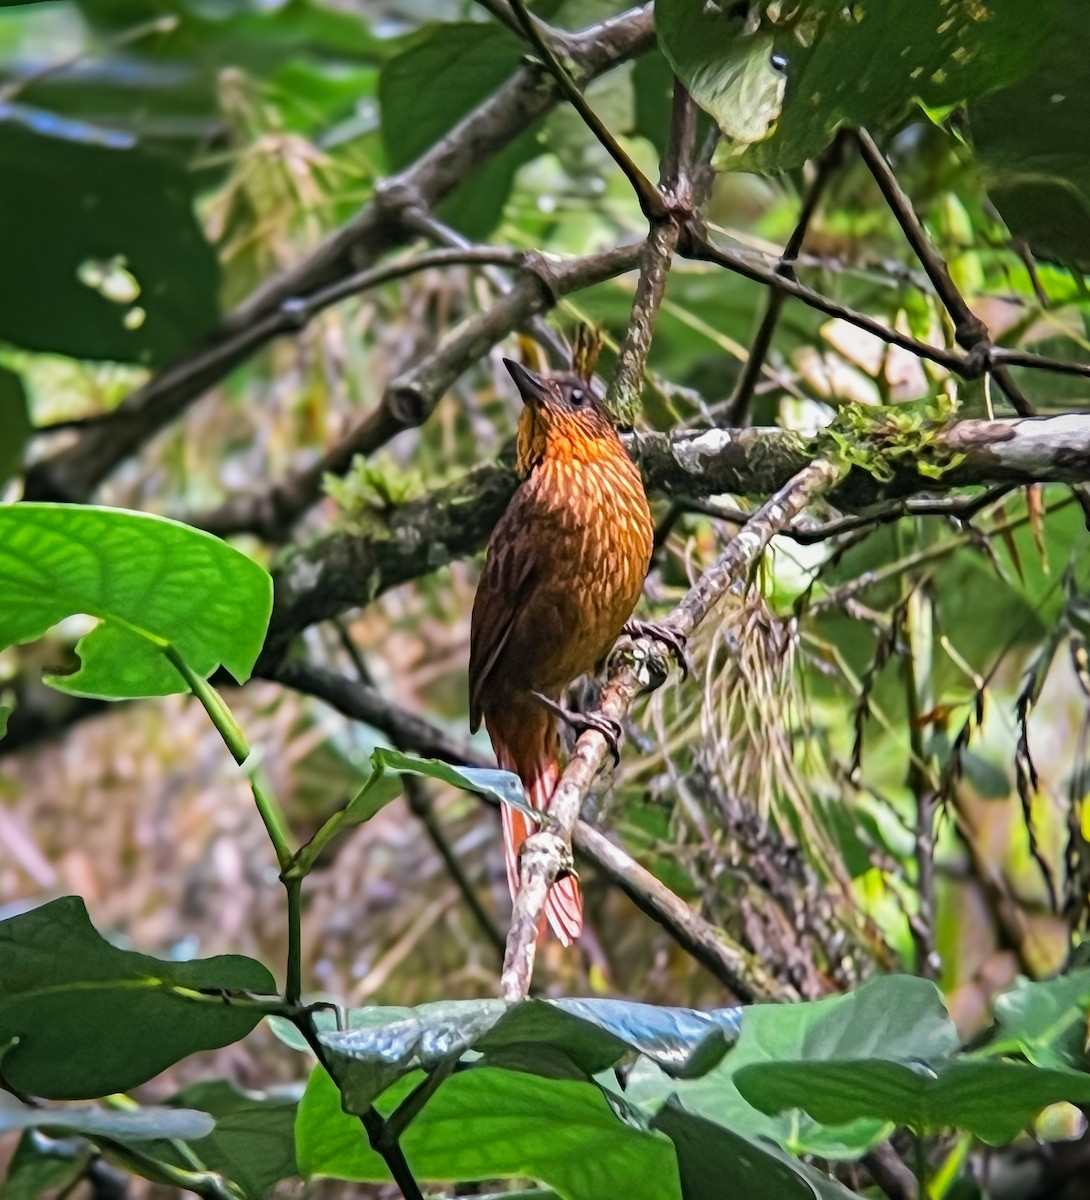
(272, 815)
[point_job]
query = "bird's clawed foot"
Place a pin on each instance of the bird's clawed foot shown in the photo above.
(612, 730)
(675, 643)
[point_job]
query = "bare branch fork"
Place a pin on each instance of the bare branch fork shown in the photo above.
(547, 852)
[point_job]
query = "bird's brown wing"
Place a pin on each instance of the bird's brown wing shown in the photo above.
(507, 581)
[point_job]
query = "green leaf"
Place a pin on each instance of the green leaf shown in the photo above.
(144, 578)
(131, 1125)
(1031, 139)
(780, 89)
(991, 1099)
(110, 259)
(15, 425)
(40, 1166)
(504, 786)
(84, 1019)
(252, 1144)
(715, 1161)
(5, 712)
(494, 1124)
(1045, 1021)
(577, 1037)
(424, 91)
(895, 1017)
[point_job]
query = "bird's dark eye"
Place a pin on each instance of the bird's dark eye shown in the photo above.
(576, 397)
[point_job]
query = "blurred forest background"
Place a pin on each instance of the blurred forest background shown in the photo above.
(879, 761)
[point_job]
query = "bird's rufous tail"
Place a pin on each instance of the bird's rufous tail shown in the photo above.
(528, 747)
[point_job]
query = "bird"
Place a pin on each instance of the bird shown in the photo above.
(563, 571)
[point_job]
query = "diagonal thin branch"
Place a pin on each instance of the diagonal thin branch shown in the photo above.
(428, 224)
(970, 332)
(737, 407)
(652, 202)
(655, 261)
(546, 851)
(724, 958)
(695, 243)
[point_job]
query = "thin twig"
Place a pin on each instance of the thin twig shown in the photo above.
(428, 224)
(501, 10)
(652, 202)
(545, 852)
(387, 1147)
(970, 332)
(924, 792)
(960, 508)
(655, 259)
(421, 806)
(737, 407)
(696, 244)
(730, 963)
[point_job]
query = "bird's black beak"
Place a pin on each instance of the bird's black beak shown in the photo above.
(531, 387)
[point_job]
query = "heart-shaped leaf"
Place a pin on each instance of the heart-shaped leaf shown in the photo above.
(149, 581)
(80, 1018)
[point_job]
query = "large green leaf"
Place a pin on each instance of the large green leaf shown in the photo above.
(81, 1018)
(1031, 138)
(101, 235)
(579, 1037)
(148, 581)
(425, 90)
(15, 424)
(994, 1100)
(252, 1144)
(896, 1018)
(780, 88)
(495, 1124)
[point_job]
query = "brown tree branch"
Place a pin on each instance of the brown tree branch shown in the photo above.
(655, 260)
(696, 244)
(734, 966)
(546, 851)
(346, 569)
(429, 225)
(970, 332)
(74, 472)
